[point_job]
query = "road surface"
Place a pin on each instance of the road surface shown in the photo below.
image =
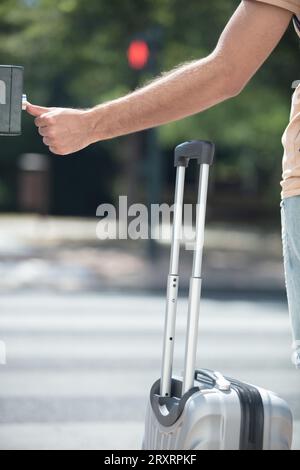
(79, 367)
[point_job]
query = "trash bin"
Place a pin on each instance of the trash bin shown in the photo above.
(11, 99)
(34, 183)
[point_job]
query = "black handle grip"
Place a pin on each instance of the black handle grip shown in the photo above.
(200, 150)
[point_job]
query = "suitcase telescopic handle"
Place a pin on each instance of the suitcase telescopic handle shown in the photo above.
(200, 150)
(203, 152)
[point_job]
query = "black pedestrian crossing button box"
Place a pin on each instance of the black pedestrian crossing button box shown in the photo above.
(11, 95)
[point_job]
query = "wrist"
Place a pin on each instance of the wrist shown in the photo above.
(97, 124)
(90, 124)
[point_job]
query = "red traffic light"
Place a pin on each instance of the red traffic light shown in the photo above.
(138, 54)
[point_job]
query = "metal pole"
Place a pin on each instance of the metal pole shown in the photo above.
(177, 222)
(196, 285)
(154, 181)
(173, 283)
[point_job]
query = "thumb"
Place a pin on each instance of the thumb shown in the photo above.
(36, 111)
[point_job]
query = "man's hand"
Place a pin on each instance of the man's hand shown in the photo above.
(64, 131)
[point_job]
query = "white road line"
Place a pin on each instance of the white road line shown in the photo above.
(62, 347)
(102, 322)
(118, 383)
(79, 436)
(73, 436)
(42, 304)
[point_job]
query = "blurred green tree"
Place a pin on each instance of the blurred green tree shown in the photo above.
(74, 52)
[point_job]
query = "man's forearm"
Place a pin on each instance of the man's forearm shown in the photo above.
(187, 90)
(243, 46)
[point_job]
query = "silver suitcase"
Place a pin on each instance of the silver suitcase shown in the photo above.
(203, 410)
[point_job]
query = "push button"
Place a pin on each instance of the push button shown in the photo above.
(11, 99)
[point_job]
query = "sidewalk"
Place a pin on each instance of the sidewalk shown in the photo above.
(64, 254)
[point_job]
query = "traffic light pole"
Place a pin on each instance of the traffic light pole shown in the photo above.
(154, 180)
(143, 55)
(154, 157)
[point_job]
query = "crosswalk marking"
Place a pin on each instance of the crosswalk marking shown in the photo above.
(72, 436)
(79, 368)
(50, 383)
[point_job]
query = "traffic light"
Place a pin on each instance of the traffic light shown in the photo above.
(138, 54)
